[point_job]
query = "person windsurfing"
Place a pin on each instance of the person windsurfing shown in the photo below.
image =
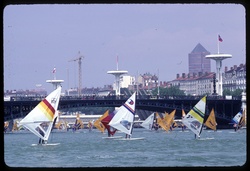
(41, 141)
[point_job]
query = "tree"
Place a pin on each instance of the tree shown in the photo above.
(227, 92)
(168, 91)
(236, 92)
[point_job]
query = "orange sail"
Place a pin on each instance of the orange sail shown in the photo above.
(161, 122)
(183, 113)
(211, 122)
(169, 119)
(58, 125)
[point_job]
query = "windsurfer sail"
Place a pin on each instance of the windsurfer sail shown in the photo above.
(242, 122)
(166, 122)
(239, 120)
(105, 121)
(45, 113)
(78, 123)
(98, 123)
(169, 120)
(195, 117)
(211, 121)
(161, 122)
(183, 127)
(124, 118)
(149, 122)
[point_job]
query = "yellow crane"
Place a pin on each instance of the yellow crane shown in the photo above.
(79, 59)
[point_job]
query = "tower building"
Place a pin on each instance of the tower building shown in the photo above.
(197, 61)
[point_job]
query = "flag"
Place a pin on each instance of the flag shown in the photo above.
(54, 70)
(220, 39)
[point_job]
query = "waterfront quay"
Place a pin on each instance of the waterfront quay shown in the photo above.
(225, 109)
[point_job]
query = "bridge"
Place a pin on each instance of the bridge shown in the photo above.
(225, 109)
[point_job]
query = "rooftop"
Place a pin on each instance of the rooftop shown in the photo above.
(199, 49)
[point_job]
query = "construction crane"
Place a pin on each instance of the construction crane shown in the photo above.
(79, 59)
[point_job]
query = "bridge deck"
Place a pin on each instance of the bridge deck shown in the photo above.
(224, 109)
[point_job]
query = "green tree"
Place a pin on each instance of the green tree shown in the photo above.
(168, 91)
(227, 92)
(237, 92)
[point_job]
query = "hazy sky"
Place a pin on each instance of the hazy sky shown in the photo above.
(145, 37)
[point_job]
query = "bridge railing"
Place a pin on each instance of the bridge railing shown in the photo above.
(123, 97)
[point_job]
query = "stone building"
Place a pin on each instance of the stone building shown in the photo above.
(234, 78)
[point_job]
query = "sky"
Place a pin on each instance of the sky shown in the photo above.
(153, 38)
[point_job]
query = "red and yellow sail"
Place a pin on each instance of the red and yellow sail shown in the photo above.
(98, 124)
(47, 109)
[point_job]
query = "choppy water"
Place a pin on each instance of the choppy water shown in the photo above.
(158, 149)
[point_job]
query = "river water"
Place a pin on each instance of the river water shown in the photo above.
(86, 148)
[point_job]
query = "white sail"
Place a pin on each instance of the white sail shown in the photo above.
(40, 120)
(124, 118)
(148, 123)
(195, 117)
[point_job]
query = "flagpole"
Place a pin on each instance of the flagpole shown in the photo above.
(158, 86)
(218, 43)
(54, 73)
(137, 83)
(117, 62)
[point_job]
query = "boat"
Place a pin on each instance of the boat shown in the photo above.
(195, 117)
(123, 120)
(211, 121)
(148, 122)
(41, 120)
(111, 131)
(98, 124)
